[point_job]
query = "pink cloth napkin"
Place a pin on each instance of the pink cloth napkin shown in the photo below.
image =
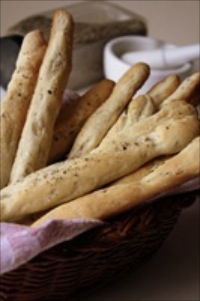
(19, 244)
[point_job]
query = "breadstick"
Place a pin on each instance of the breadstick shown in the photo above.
(17, 99)
(108, 202)
(163, 89)
(187, 90)
(65, 181)
(141, 107)
(34, 145)
(105, 116)
(73, 115)
(144, 106)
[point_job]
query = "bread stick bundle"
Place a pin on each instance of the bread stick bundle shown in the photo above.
(36, 139)
(108, 202)
(165, 133)
(15, 105)
(73, 115)
(144, 106)
(167, 90)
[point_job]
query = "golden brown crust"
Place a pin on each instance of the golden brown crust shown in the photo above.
(105, 203)
(36, 139)
(16, 102)
(68, 180)
(74, 114)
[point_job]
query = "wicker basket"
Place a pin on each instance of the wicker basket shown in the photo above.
(72, 269)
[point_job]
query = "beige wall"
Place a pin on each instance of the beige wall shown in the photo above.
(173, 21)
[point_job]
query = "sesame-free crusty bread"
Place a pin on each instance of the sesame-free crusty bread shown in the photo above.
(106, 115)
(73, 115)
(105, 203)
(65, 181)
(17, 99)
(36, 139)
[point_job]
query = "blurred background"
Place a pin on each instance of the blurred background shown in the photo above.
(173, 21)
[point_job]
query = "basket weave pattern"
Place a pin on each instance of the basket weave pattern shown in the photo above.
(72, 269)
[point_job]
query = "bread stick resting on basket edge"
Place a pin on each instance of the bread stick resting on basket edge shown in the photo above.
(110, 201)
(118, 137)
(124, 153)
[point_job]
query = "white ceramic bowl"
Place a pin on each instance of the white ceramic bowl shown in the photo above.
(115, 67)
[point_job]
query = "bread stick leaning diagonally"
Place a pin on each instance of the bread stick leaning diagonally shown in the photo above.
(187, 90)
(144, 106)
(18, 96)
(34, 145)
(65, 181)
(73, 115)
(105, 116)
(108, 202)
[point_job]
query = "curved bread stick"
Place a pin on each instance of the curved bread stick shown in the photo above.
(34, 145)
(16, 102)
(68, 180)
(108, 202)
(105, 116)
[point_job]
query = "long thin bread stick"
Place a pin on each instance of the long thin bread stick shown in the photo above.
(34, 146)
(73, 115)
(15, 105)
